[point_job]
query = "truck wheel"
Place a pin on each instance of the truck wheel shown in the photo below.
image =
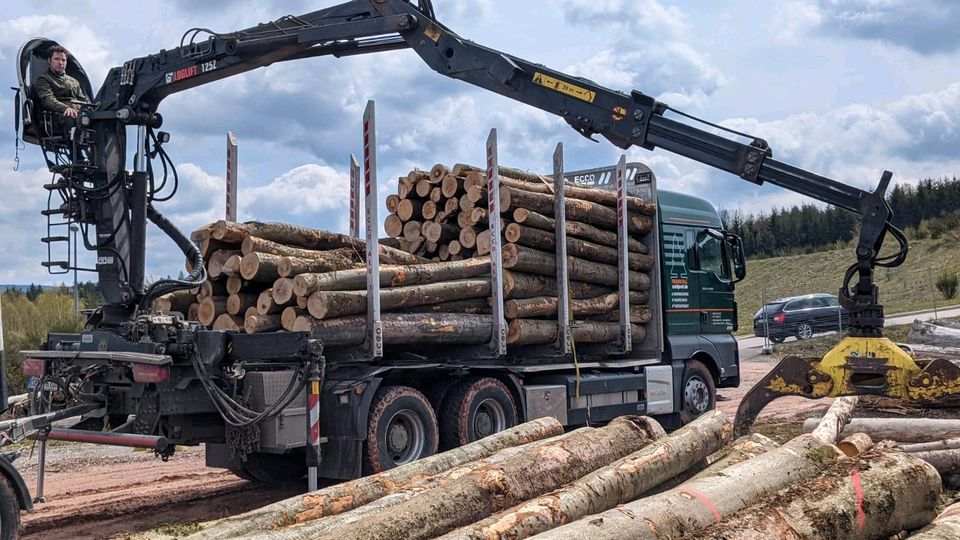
(402, 428)
(9, 511)
(263, 467)
(698, 392)
(476, 408)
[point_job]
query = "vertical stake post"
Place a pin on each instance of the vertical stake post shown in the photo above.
(231, 210)
(374, 341)
(498, 341)
(354, 197)
(563, 289)
(626, 338)
(314, 458)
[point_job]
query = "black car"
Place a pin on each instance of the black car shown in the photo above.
(800, 316)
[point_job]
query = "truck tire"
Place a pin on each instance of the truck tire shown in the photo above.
(9, 511)
(474, 409)
(401, 428)
(270, 468)
(697, 392)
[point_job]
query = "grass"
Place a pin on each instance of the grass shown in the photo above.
(909, 287)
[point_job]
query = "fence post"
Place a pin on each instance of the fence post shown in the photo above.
(767, 346)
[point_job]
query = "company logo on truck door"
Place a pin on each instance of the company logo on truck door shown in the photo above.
(190, 71)
(564, 87)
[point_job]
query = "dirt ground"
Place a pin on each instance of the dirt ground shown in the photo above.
(107, 492)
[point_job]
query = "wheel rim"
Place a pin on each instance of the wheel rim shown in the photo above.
(490, 418)
(804, 331)
(406, 437)
(696, 395)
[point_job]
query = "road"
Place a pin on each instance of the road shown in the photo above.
(749, 342)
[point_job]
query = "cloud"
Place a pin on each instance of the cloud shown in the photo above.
(85, 44)
(666, 66)
(924, 27)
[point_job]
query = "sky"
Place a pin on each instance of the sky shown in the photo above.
(845, 89)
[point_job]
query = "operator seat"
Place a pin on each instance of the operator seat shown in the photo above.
(31, 63)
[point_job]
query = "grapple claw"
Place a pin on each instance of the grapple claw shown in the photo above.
(793, 376)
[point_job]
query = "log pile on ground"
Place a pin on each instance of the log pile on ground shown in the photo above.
(435, 270)
(618, 482)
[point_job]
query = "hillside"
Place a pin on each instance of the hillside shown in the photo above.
(909, 287)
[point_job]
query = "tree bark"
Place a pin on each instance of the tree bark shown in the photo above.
(472, 306)
(546, 241)
(639, 314)
(539, 332)
(331, 304)
(288, 318)
(605, 197)
(228, 322)
(699, 503)
(521, 285)
(576, 229)
(524, 259)
(291, 266)
(237, 304)
(910, 430)
(342, 498)
(482, 492)
(402, 329)
(210, 308)
(946, 462)
(945, 444)
(262, 267)
(304, 237)
(576, 210)
(744, 448)
(618, 483)
(254, 244)
(946, 526)
(546, 306)
(262, 323)
(391, 276)
(873, 497)
(837, 416)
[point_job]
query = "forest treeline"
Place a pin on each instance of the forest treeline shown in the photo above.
(928, 209)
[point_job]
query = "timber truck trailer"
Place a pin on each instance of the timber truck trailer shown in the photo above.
(166, 381)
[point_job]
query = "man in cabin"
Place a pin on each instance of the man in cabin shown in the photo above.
(56, 91)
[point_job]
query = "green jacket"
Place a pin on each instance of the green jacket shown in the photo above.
(55, 91)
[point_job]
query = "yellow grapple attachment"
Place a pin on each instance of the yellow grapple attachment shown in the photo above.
(856, 366)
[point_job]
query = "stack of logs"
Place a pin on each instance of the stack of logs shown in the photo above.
(442, 214)
(435, 268)
(626, 480)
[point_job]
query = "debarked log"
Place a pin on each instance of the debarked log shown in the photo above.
(485, 491)
(834, 420)
(875, 496)
(346, 496)
(620, 482)
(696, 504)
(330, 304)
(539, 332)
(402, 329)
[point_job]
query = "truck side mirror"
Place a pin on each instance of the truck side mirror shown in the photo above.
(739, 260)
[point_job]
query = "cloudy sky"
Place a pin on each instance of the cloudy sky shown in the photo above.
(843, 88)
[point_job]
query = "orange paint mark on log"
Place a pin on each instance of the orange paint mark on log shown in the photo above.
(858, 490)
(706, 501)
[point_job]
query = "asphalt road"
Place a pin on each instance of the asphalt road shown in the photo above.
(749, 341)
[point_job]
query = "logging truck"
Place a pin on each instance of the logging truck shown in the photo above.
(368, 392)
